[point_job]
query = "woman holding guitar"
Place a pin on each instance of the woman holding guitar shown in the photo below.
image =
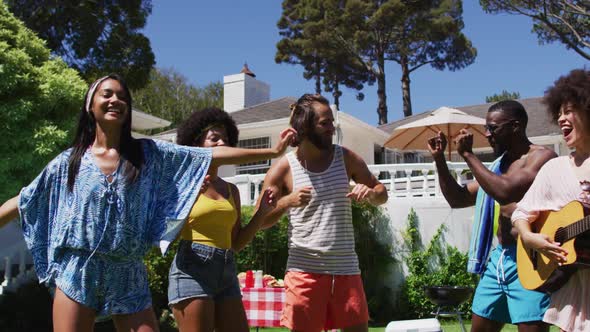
(559, 182)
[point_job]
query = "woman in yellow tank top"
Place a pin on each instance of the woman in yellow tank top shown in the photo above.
(203, 287)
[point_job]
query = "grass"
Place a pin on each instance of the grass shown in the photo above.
(447, 326)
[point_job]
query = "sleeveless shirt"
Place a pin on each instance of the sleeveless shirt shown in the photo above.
(321, 235)
(211, 221)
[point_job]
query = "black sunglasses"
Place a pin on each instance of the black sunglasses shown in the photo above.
(492, 128)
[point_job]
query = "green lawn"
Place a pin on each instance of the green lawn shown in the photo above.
(447, 326)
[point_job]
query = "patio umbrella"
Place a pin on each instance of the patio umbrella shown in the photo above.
(414, 135)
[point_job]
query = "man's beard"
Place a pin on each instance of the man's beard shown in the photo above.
(320, 142)
(499, 149)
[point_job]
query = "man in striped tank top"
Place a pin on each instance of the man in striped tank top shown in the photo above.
(324, 287)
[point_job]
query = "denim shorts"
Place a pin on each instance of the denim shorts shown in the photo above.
(201, 271)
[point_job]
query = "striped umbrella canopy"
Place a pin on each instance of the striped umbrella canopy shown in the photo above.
(414, 135)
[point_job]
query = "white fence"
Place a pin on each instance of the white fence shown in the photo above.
(15, 259)
(401, 180)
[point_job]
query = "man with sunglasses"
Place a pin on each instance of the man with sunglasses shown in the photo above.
(499, 297)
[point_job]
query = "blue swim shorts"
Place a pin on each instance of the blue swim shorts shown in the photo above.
(109, 286)
(500, 296)
(201, 271)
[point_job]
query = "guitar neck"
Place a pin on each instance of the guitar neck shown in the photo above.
(572, 230)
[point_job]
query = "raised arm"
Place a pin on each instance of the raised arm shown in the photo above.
(243, 235)
(510, 186)
(225, 155)
(9, 211)
(456, 195)
(367, 187)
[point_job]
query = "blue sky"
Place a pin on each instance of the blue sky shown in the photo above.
(205, 40)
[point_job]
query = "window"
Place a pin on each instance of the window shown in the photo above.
(387, 156)
(412, 158)
(258, 167)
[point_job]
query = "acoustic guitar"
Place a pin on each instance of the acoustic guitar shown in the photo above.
(567, 226)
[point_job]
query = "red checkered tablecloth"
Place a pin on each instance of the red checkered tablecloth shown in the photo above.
(263, 306)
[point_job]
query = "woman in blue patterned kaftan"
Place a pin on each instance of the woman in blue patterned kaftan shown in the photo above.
(94, 211)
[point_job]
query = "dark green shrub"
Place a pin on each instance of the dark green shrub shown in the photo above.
(374, 247)
(435, 264)
(158, 267)
(268, 250)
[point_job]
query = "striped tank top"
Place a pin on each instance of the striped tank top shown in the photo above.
(321, 236)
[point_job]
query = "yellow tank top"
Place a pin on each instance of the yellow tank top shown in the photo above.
(211, 221)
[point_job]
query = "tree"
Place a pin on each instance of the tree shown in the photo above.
(308, 41)
(168, 95)
(567, 21)
(95, 37)
(39, 100)
(410, 33)
(371, 32)
(504, 95)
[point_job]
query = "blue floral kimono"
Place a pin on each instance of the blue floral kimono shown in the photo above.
(90, 242)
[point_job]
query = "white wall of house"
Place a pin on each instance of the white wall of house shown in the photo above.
(270, 129)
(360, 137)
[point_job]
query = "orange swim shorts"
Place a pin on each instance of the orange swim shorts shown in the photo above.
(323, 301)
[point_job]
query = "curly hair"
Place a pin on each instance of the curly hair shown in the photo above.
(572, 88)
(192, 131)
(303, 115)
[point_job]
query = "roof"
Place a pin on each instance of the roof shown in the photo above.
(272, 110)
(143, 121)
(540, 122)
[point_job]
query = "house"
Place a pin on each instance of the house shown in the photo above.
(260, 121)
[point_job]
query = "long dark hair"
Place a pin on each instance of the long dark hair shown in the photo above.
(129, 149)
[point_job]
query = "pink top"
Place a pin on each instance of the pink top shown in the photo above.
(554, 187)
